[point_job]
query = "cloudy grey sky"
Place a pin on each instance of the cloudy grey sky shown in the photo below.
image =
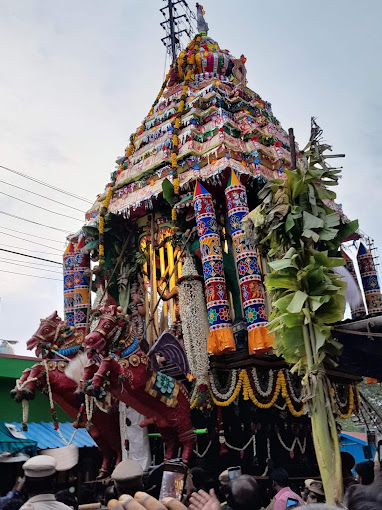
(77, 77)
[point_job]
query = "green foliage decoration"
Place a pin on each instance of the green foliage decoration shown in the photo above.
(300, 231)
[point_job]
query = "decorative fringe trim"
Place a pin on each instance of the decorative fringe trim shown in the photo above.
(221, 341)
(259, 340)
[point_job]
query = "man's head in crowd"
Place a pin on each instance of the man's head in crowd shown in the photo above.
(40, 475)
(245, 494)
(314, 491)
(127, 477)
(279, 479)
(365, 472)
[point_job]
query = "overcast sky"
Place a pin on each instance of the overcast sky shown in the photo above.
(77, 77)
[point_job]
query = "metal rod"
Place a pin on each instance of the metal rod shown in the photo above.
(292, 149)
(172, 32)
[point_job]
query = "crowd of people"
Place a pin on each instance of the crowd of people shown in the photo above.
(37, 491)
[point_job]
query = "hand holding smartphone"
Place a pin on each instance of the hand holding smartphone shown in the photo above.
(234, 472)
(173, 480)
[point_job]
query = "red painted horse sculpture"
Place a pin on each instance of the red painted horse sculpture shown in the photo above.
(159, 397)
(55, 334)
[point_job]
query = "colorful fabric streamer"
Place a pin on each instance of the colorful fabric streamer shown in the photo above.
(251, 286)
(68, 259)
(369, 279)
(81, 287)
(359, 311)
(220, 338)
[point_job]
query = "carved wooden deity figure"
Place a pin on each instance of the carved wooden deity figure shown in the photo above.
(159, 397)
(239, 70)
(57, 343)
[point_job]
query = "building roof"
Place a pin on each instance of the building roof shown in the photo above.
(357, 437)
(12, 366)
(46, 437)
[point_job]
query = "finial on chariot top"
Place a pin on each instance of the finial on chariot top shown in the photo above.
(201, 22)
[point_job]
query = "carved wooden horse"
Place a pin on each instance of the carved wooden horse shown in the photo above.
(55, 334)
(159, 397)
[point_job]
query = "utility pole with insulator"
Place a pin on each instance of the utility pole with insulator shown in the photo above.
(177, 25)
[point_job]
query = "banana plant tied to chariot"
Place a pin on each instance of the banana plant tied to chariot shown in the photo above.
(297, 228)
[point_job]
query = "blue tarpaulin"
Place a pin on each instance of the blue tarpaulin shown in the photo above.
(46, 437)
(11, 444)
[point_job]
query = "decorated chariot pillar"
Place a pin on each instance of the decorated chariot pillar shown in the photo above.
(220, 338)
(68, 259)
(248, 269)
(81, 287)
(369, 279)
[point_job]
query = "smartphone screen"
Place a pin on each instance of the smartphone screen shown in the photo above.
(234, 472)
(172, 481)
(291, 503)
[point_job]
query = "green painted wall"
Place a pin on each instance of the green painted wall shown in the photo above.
(11, 369)
(38, 408)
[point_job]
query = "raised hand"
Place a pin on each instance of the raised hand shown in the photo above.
(201, 500)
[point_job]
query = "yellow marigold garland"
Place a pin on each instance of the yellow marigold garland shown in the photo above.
(351, 405)
(285, 395)
(356, 399)
(101, 227)
(244, 383)
(236, 392)
(248, 392)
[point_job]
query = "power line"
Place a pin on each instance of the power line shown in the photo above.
(29, 267)
(40, 207)
(35, 222)
(27, 262)
(32, 275)
(32, 235)
(27, 249)
(29, 241)
(46, 184)
(43, 196)
(31, 256)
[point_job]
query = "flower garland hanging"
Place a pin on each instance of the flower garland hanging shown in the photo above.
(291, 448)
(249, 394)
(259, 390)
(101, 227)
(286, 395)
(247, 380)
(178, 116)
(241, 380)
(235, 393)
(290, 387)
(351, 405)
(56, 424)
(224, 393)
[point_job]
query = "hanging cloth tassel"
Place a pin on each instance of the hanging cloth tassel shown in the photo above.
(220, 338)
(369, 279)
(69, 284)
(251, 287)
